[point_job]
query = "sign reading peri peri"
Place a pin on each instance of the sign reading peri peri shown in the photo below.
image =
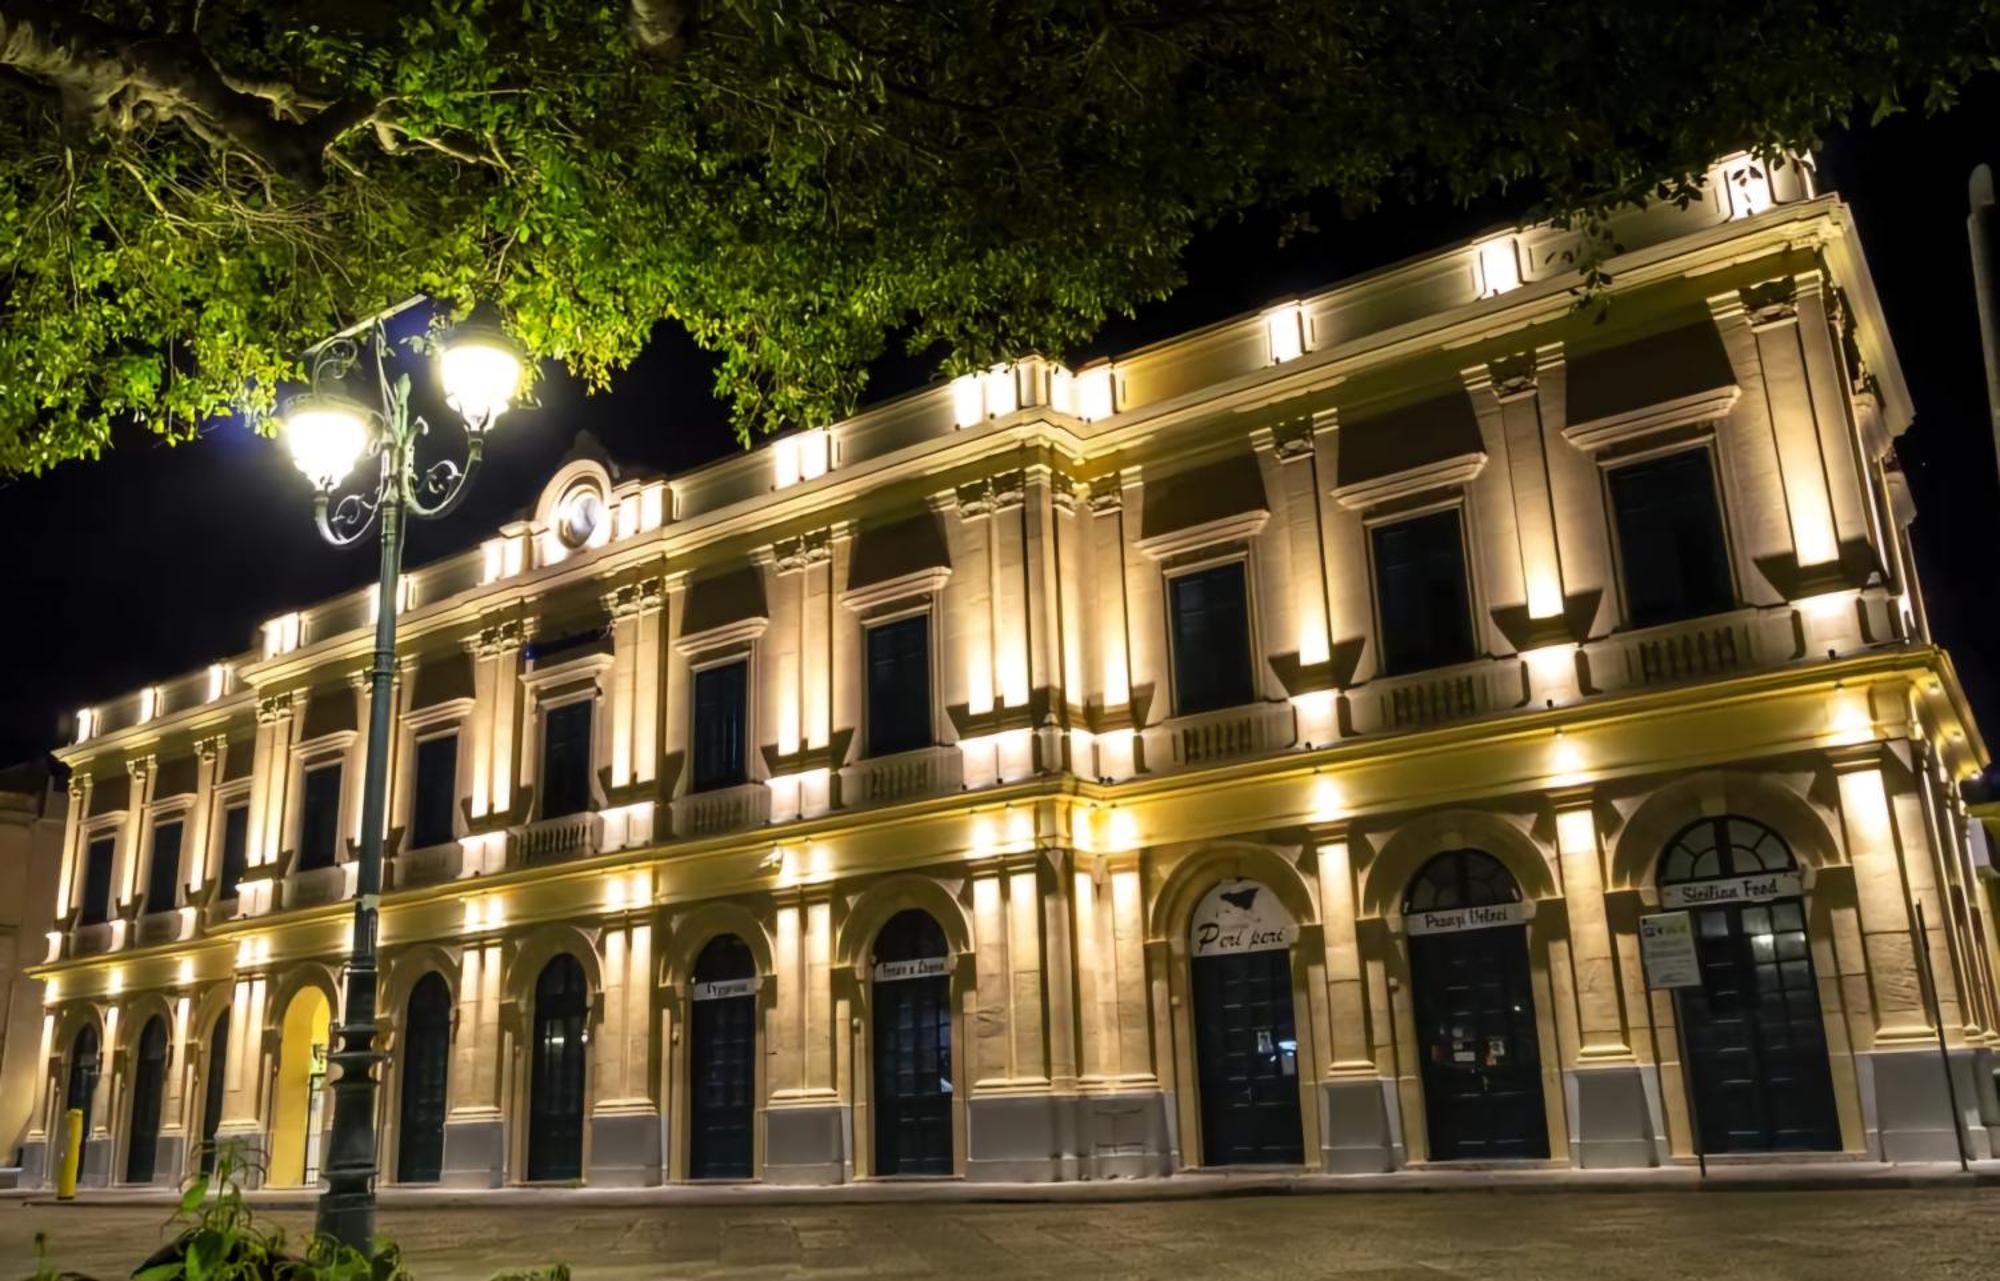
(1238, 917)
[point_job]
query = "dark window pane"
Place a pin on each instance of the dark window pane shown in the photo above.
(235, 848)
(97, 881)
(899, 686)
(1420, 580)
(1211, 634)
(566, 760)
(1670, 539)
(319, 818)
(164, 873)
(720, 710)
(436, 791)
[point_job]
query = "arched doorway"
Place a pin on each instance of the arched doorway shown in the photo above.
(1246, 1043)
(1756, 1042)
(556, 1074)
(912, 1046)
(298, 1100)
(149, 1083)
(421, 1101)
(1474, 1001)
(81, 1087)
(211, 1093)
(722, 1061)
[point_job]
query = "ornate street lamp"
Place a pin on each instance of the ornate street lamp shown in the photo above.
(328, 431)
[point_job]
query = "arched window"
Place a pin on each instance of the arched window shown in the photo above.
(556, 1075)
(910, 935)
(149, 1080)
(912, 1046)
(83, 1066)
(722, 1061)
(426, 1056)
(211, 1098)
(1461, 878)
(1718, 848)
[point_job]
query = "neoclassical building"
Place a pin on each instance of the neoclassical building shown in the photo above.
(1256, 750)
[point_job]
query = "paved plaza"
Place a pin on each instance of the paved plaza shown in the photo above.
(1904, 1234)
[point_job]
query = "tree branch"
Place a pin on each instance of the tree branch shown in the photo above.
(120, 80)
(659, 28)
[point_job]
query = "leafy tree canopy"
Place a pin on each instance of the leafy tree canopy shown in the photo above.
(193, 191)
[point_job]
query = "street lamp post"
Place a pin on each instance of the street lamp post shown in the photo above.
(327, 432)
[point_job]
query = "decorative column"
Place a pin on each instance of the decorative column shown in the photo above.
(490, 736)
(1121, 1126)
(1288, 460)
(807, 1126)
(1145, 612)
(1359, 1133)
(130, 880)
(475, 1137)
(202, 859)
(243, 1086)
(1012, 1119)
(625, 1136)
(1344, 568)
(69, 894)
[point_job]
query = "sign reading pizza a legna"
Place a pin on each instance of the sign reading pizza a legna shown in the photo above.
(1238, 917)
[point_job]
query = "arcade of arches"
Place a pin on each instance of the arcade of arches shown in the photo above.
(1451, 987)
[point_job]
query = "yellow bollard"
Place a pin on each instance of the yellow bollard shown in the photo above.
(72, 1154)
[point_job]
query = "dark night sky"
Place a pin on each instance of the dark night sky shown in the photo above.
(159, 560)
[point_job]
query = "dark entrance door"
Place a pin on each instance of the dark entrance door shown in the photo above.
(211, 1092)
(722, 1061)
(555, 1084)
(1475, 1011)
(912, 994)
(148, 1081)
(1755, 1039)
(426, 1057)
(1246, 1044)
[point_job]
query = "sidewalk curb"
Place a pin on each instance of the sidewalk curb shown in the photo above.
(1833, 1177)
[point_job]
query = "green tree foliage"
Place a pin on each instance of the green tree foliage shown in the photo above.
(191, 191)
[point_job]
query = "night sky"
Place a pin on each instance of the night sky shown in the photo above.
(157, 560)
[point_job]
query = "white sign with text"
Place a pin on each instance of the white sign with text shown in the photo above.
(1456, 920)
(1238, 917)
(1760, 888)
(726, 988)
(1666, 950)
(922, 968)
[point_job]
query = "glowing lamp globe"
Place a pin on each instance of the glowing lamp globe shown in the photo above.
(480, 369)
(326, 436)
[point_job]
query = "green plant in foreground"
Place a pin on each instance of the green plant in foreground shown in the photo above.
(220, 1239)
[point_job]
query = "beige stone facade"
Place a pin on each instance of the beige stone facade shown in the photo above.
(1078, 817)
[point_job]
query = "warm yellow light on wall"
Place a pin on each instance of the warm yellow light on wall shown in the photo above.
(218, 680)
(115, 982)
(52, 992)
(1096, 394)
(281, 634)
(1285, 333)
(1122, 831)
(1569, 765)
(184, 972)
(86, 723)
(1499, 267)
(1317, 722)
(1329, 800)
(149, 703)
(1849, 717)
(1575, 829)
(804, 456)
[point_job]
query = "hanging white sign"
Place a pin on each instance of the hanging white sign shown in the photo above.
(1456, 920)
(922, 968)
(1666, 950)
(1742, 889)
(726, 988)
(1237, 917)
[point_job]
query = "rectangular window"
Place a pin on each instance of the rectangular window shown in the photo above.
(1421, 587)
(899, 686)
(319, 818)
(235, 849)
(565, 782)
(97, 860)
(1675, 562)
(435, 795)
(720, 711)
(1211, 639)
(164, 873)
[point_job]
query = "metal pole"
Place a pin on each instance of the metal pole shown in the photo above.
(1687, 1080)
(1923, 946)
(1981, 228)
(347, 1207)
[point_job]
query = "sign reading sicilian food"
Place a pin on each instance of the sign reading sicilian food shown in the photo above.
(1739, 889)
(1238, 917)
(724, 989)
(1456, 920)
(922, 968)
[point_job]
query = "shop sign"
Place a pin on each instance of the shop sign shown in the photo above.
(1666, 950)
(1760, 888)
(1457, 920)
(1238, 917)
(725, 989)
(921, 968)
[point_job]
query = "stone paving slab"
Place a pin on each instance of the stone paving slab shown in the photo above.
(1912, 1234)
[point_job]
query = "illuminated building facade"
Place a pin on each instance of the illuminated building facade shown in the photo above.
(1256, 750)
